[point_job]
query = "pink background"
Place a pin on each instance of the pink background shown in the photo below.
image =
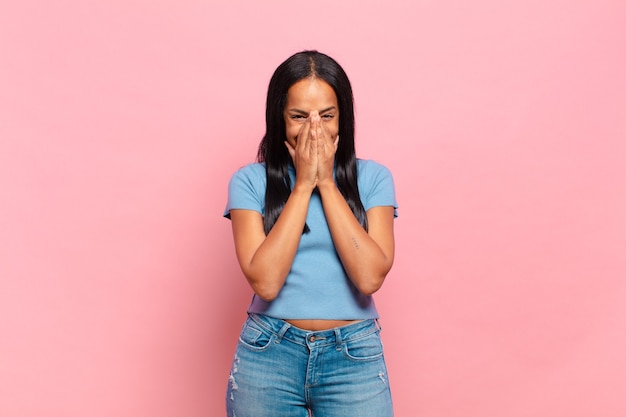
(503, 122)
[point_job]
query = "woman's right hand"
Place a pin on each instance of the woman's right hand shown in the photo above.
(305, 154)
(266, 259)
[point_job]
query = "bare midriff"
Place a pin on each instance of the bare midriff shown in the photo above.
(317, 325)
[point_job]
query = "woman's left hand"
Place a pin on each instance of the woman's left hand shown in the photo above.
(326, 149)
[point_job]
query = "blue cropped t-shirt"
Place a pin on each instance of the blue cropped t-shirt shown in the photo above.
(317, 286)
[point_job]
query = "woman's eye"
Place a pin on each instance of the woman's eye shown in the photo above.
(328, 116)
(297, 117)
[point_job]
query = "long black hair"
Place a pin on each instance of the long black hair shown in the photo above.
(272, 148)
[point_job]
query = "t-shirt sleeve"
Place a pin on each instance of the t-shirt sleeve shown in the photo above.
(246, 190)
(379, 187)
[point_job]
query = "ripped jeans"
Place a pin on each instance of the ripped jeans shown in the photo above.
(282, 371)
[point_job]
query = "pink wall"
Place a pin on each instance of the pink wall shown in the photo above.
(503, 122)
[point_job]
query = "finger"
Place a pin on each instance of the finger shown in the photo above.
(303, 135)
(324, 132)
(315, 124)
(326, 148)
(326, 137)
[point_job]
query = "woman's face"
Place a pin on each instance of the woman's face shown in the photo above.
(306, 96)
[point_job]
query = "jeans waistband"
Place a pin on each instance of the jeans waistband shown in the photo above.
(285, 330)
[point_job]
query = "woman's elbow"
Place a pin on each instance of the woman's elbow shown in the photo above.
(267, 296)
(370, 290)
(266, 289)
(369, 286)
(372, 280)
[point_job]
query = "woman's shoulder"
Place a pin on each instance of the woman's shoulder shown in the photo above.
(253, 170)
(371, 168)
(250, 176)
(376, 186)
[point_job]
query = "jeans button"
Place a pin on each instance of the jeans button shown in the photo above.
(312, 339)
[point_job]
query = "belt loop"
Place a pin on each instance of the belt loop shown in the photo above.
(282, 332)
(338, 337)
(378, 324)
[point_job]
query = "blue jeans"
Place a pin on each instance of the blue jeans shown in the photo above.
(282, 371)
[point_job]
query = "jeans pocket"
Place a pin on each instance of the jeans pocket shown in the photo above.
(255, 337)
(365, 348)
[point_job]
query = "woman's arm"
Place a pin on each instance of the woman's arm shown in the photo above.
(367, 256)
(266, 260)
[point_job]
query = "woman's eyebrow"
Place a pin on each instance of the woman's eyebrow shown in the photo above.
(299, 111)
(306, 113)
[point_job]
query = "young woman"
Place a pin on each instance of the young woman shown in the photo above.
(313, 233)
